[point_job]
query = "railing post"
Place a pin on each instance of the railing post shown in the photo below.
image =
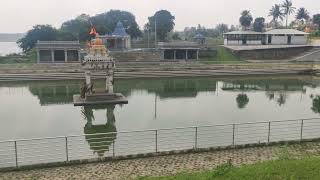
(301, 132)
(16, 153)
(233, 134)
(67, 150)
(196, 138)
(156, 134)
(113, 152)
(269, 128)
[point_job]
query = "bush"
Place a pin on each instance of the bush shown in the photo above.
(316, 34)
(29, 57)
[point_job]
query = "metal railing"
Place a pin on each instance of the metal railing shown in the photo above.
(15, 153)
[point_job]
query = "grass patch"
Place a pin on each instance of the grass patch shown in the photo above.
(223, 56)
(28, 58)
(213, 42)
(291, 169)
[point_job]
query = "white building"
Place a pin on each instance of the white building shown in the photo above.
(286, 36)
(272, 37)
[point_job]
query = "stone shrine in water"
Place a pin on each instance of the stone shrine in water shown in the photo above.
(98, 60)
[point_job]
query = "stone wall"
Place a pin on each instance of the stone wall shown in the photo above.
(271, 54)
(139, 55)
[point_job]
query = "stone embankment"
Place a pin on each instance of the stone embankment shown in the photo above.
(167, 165)
(151, 70)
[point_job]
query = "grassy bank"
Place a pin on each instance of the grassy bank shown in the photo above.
(223, 56)
(29, 58)
(293, 169)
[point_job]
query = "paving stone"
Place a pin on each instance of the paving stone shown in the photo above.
(165, 165)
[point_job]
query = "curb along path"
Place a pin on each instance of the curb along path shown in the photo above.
(166, 165)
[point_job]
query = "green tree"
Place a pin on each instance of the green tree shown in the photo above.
(232, 28)
(246, 19)
(316, 20)
(288, 9)
(163, 21)
(258, 24)
(106, 22)
(242, 101)
(176, 36)
(222, 28)
(302, 15)
(78, 27)
(66, 36)
(37, 33)
(276, 14)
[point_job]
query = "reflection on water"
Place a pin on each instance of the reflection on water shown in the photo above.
(156, 103)
(242, 100)
(276, 90)
(55, 93)
(42, 109)
(316, 104)
(100, 136)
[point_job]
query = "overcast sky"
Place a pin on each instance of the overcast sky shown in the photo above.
(21, 15)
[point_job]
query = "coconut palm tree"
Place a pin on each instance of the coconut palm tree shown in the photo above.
(302, 15)
(246, 19)
(275, 13)
(287, 9)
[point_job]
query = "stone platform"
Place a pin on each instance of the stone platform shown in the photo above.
(100, 99)
(263, 47)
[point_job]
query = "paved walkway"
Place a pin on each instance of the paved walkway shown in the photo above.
(165, 165)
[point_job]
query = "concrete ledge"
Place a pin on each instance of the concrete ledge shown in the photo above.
(148, 155)
(259, 47)
(118, 99)
(271, 53)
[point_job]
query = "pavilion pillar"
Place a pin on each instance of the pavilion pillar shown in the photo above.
(174, 55)
(186, 54)
(88, 78)
(52, 56)
(197, 54)
(163, 54)
(38, 56)
(109, 82)
(65, 55)
(129, 43)
(79, 55)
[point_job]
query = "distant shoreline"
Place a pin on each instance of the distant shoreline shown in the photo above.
(7, 37)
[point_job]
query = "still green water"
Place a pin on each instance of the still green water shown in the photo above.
(45, 109)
